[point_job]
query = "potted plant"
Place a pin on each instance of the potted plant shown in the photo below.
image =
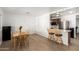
(20, 28)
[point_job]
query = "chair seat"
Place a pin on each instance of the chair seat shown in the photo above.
(58, 35)
(51, 33)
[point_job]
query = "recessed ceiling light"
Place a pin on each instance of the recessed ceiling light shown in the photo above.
(57, 14)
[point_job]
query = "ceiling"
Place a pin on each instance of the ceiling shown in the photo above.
(35, 11)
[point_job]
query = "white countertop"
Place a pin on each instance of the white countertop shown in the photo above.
(66, 30)
(62, 30)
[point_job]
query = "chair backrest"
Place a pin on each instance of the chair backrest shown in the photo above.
(22, 37)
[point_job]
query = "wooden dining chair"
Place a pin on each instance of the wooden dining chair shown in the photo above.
(22, 40)
(13, 42)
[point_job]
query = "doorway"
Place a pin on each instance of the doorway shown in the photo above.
(77, 26)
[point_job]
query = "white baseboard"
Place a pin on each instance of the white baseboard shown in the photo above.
(42, 35)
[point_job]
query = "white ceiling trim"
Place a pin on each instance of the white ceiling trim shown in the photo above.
(61, 10)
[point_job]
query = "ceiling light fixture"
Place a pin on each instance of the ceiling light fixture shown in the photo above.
(57, 14)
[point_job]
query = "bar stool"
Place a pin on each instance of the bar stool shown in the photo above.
(59, 38)
(51, 36)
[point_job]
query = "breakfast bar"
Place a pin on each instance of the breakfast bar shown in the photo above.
(60, 36)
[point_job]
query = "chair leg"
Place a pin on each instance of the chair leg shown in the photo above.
(11, 44)
(60, 40)
(49, 37)
(27, 43)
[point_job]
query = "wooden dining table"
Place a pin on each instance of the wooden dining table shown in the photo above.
(15, 36)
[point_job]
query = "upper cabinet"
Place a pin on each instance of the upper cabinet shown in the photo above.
(55, 20)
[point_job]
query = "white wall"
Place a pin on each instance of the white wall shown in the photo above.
(28, 22)
(42, 24)
(72, 20)
(77, 23)
(1, 18)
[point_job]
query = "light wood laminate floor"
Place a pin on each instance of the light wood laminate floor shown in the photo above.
(40, 43)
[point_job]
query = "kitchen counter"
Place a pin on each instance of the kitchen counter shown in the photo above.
(65, 35)
(66, 30)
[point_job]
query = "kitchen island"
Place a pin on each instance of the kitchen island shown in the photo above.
(65, 35)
